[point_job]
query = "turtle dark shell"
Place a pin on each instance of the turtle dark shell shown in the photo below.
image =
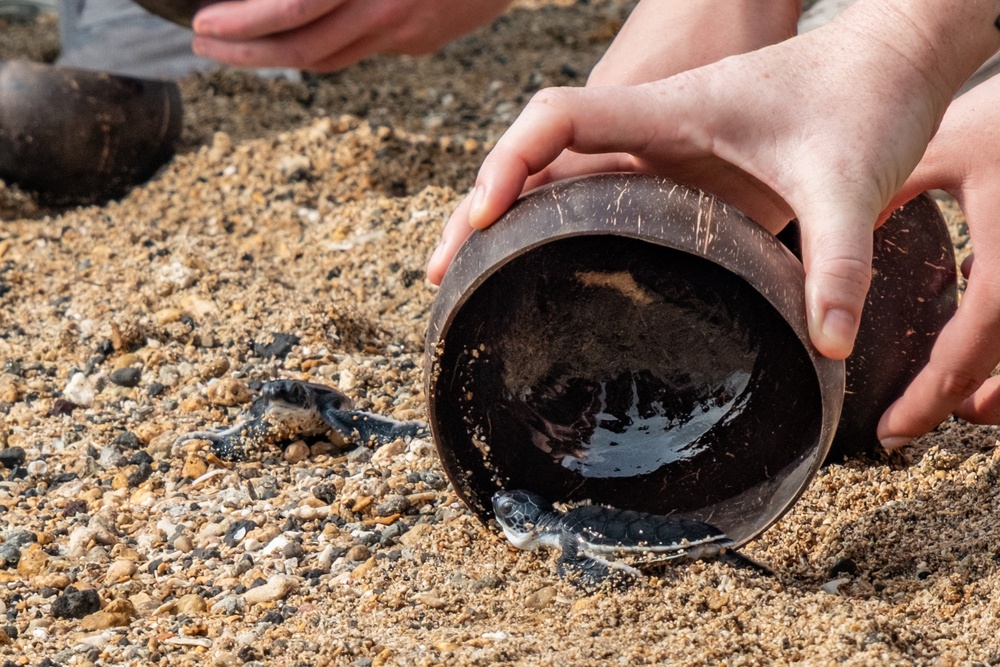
(602, 527)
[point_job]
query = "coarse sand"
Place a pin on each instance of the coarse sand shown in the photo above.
(288, 239)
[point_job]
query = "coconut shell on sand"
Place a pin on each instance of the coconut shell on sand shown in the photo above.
(288, 238)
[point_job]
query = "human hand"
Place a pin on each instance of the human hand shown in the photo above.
(327, 35)
(660, 38)
(760, 131)
(963, 160)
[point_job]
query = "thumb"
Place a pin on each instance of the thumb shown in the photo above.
(928, 175)
(837, 254)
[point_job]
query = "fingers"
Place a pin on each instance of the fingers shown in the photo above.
(570, 165)
(966, 267)
(966, 352)
(455, 232)
(837, 254)
(983, 407)
(249, 19)
(343, 33)
(583, 120)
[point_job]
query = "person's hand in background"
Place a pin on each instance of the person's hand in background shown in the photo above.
(328, 35)
(824, 127)
(964, 160)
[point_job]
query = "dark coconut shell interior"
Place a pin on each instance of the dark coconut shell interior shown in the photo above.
(624, 340)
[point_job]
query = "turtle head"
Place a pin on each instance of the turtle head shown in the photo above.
(519, 513)
(303, 395)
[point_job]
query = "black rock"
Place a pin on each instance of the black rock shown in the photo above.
(126, 377)
(293, 550)
(206, 553)
(274, 618)
(325, 491)
(435, 480)
(140, 475)
(62, 407)
(12, 457)
(126, 440)
(281, 344)
(64, 477)
(74, 507)
(76, 604)
(10, 554)
(237, 531)
(140, 457)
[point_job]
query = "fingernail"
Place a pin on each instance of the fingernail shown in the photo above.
(197, 45)
(204, 26)
(475, 209)
(894, 442)
(839, 327)
(434, 255)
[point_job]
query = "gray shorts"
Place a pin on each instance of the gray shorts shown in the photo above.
(120, 37)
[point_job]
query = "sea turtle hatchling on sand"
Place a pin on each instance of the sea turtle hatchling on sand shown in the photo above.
(600, 543)
(288, 409)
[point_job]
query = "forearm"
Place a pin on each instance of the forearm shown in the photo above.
(664, 37)
(943, 41)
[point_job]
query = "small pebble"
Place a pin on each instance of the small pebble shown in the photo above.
(125, 377)
(120, 571)
(111, 458)
(192, 603)
(39, 467)
(194, 466)
(278, 346)
(102, 620)
(228, 392)
(358, 553)
(540, 598)
(393, 504)
(293, 550)
(11, 457)
(74, 603)
(833, 587)
(295, 452)
(277, 588)
(326, 492)
(79, 391)
(237, 531)
(33, 561)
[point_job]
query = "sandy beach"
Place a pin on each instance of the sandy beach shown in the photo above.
(287, 239)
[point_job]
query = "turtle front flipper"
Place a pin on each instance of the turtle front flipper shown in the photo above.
(588, 570)
(364, 427)
(737, 559)
(229, 444)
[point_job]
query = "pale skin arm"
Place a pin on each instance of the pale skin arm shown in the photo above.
(665, 37)
(824, 127)
(327, 35)
(661, 38)
(963, 159)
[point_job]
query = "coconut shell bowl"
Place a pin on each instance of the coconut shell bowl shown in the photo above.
(624, 340)
(77, 136)
(180, 12)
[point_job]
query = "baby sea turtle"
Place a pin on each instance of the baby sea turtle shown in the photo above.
(287, 409)
(591, 536)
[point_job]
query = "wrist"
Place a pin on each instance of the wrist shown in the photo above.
(664, 37)
(944, 42)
